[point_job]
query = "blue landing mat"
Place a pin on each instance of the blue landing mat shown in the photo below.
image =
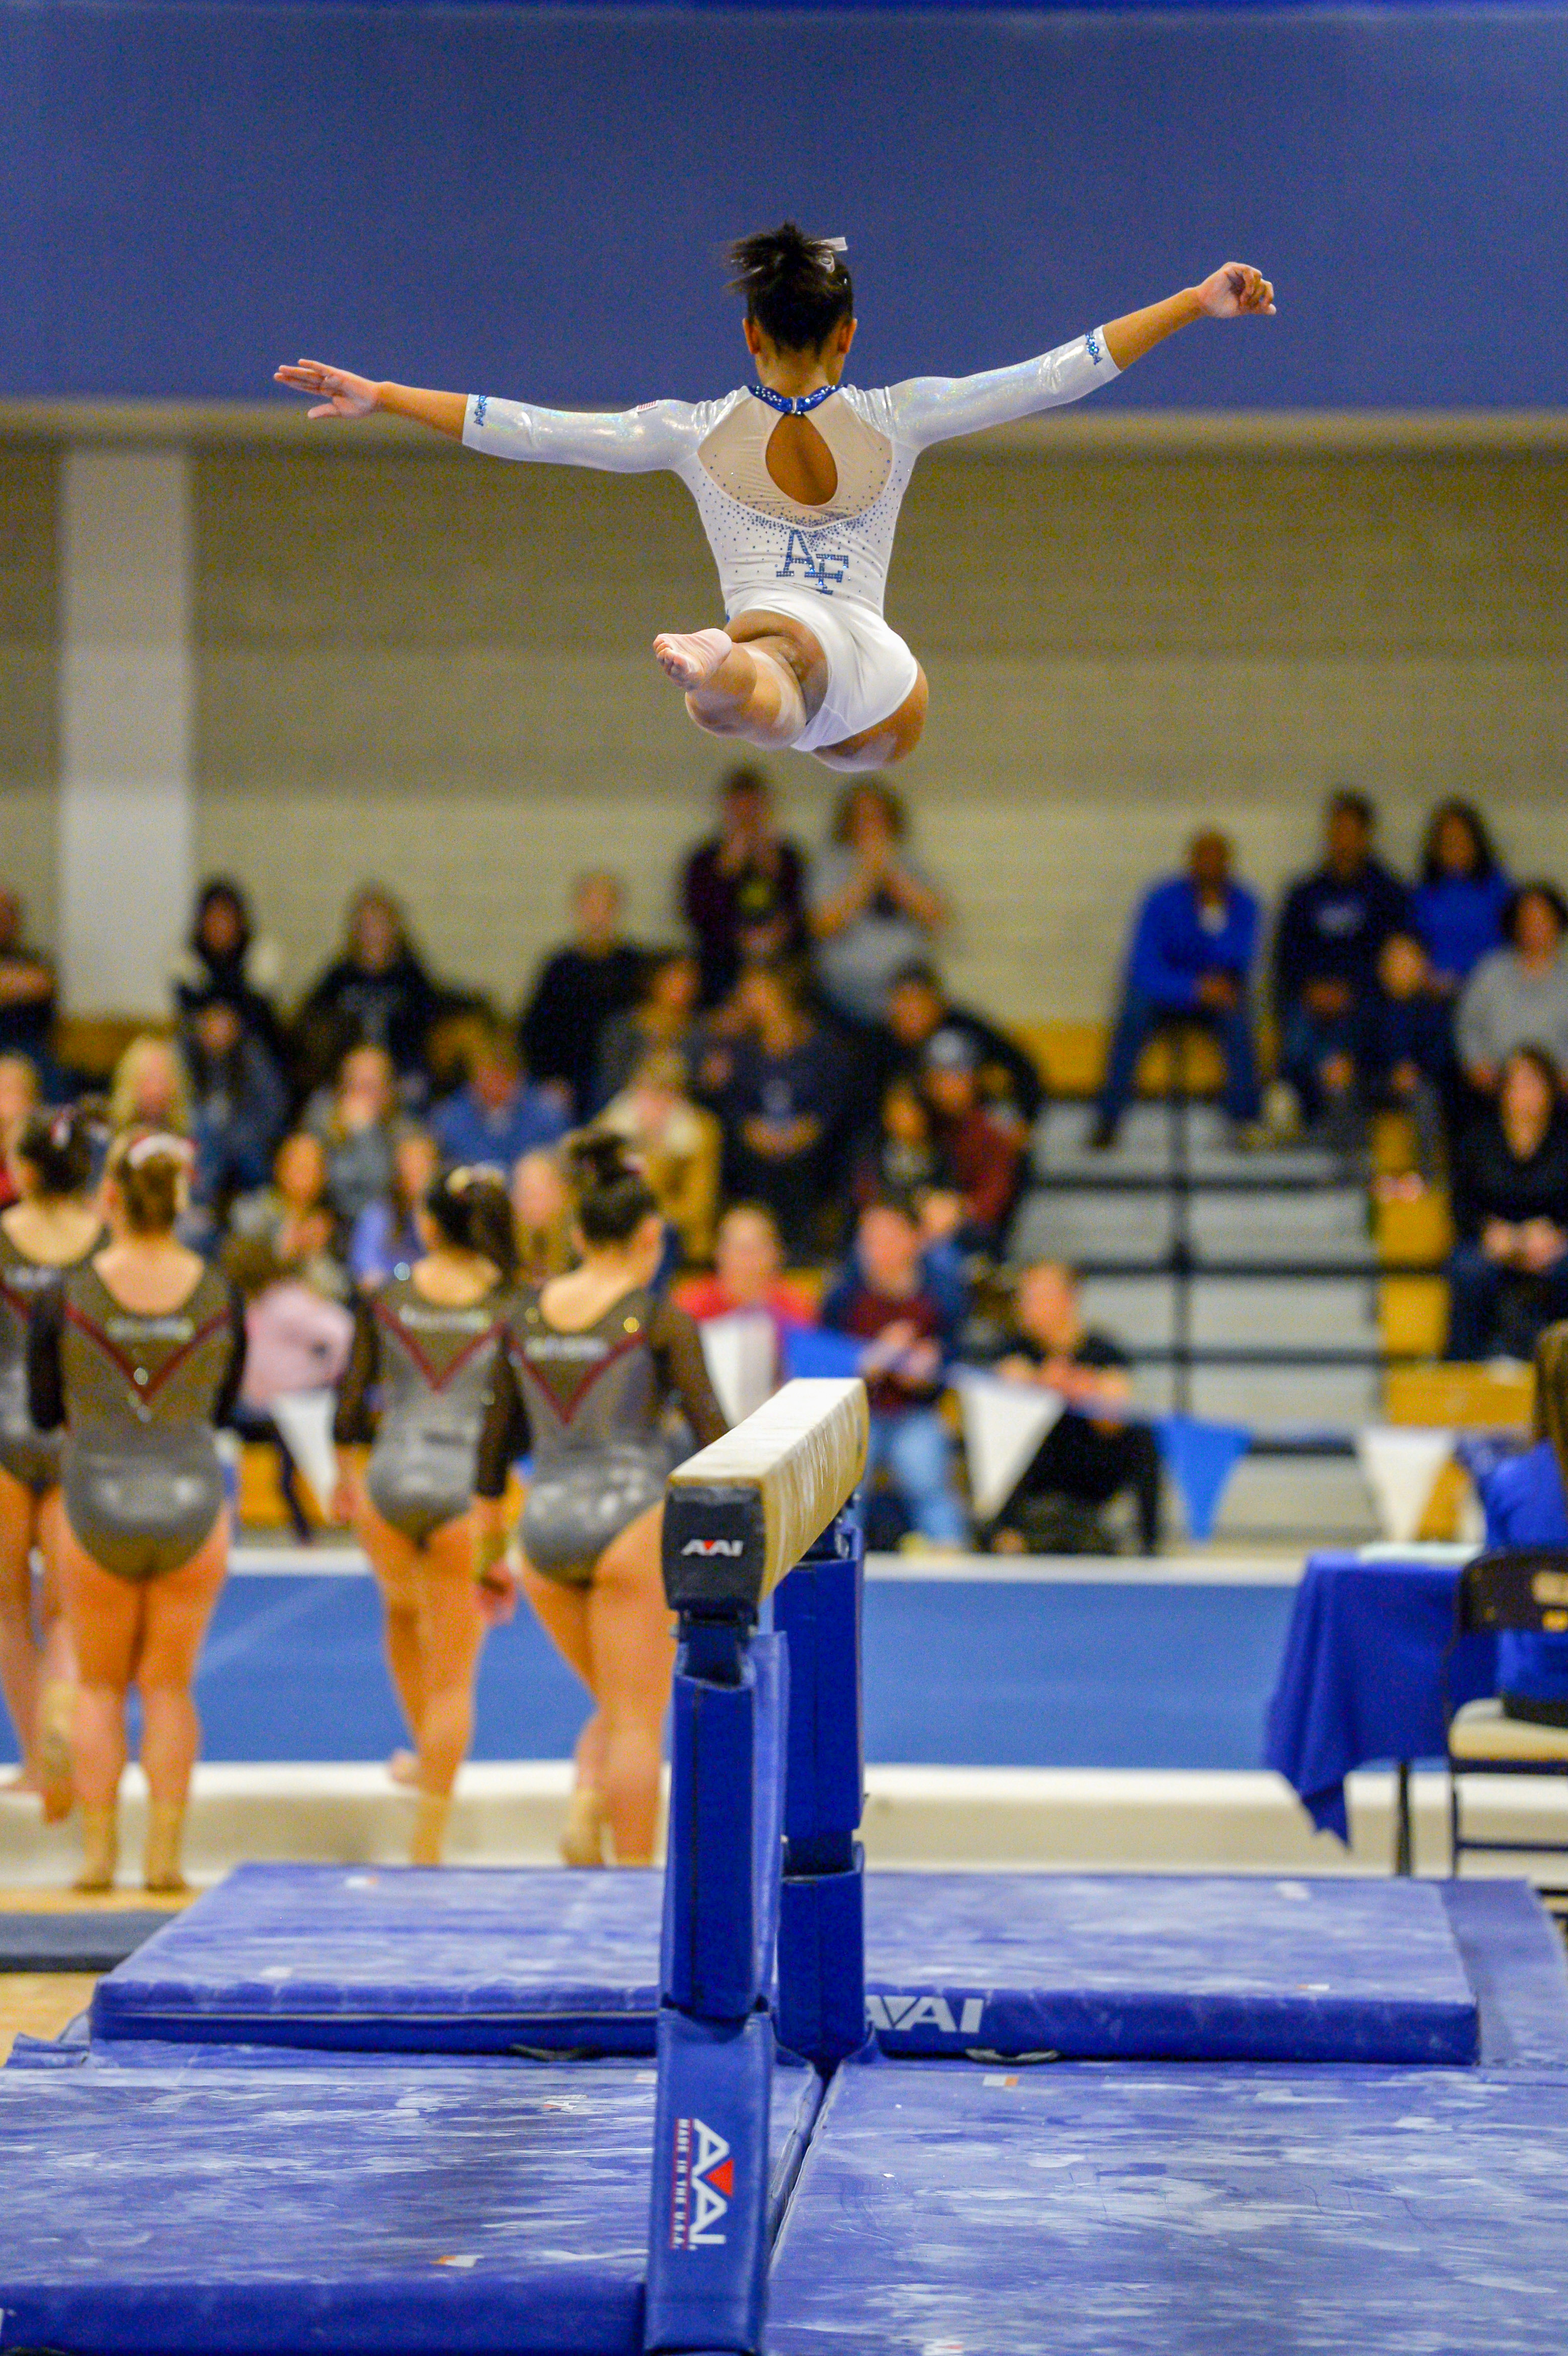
(368, 2212)
(1113, 1968)
(1112, 2211)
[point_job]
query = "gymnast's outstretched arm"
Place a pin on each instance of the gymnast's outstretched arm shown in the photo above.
(661, 433)
(929, 409)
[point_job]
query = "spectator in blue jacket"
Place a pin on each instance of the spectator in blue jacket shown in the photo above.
(497, 1118)
(1192, 952)
(1332, 931)
(1526, 1502)
(1457, 908)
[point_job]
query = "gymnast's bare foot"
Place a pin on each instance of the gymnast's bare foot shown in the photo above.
(692, 657)
(403, 1769)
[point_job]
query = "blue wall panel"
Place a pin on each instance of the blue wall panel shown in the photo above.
(534, 200)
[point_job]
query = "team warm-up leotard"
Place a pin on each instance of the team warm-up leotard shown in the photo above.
(824, 565)
(29, 1455)
(593, 1404)
(432, 1366)
(139, 1397)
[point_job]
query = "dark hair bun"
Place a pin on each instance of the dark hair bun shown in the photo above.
(797, 287)
(610, 1195)
(60, 1146)
(472, 1210)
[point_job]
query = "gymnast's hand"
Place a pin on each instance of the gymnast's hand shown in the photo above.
(1234, 291)
(334, 391)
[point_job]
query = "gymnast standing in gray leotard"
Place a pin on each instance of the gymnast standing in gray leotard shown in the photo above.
(596, 1362)
(418, 1385)
(139, 1353)
(51, 1228)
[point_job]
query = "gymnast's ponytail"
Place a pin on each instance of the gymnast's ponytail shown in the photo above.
(797, 288)
(610, 1196)
(471, 1211)
(57, 1148)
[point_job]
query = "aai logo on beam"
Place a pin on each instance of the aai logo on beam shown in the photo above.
(908, 2012)
(704, 2186)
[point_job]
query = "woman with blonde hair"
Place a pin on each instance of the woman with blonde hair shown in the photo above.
(427, 1345)
(52, 1227)
(138, 1352)
(594, 1364)
(150, 1089)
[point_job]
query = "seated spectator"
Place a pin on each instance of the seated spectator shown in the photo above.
(357, 1121)
(27, 989)
(742, 888)
(782, 1099)
(238, 1105)
(1409, 1048)
(385, 1237)
(903, 1157)
(576, 991)
(496, 1117)
(542, 1218)
(1526, 1501)
(1508, 1273)
(1457, 908)
(679, 1144)
(294, 1218)
(747, 1274)
(1085, 1460)
(222, 960)
(150, 1087)
(872, 908)
(918, 1006)
(20, 1097)
(662, 1019)
(1331, 935)
(1191, 956)
(1517, 995)
(375, 993)
(979, 1158)
(882, 1299)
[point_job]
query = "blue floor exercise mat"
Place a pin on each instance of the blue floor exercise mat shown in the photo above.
(1224, 2211)
(363, 2210)
(1157, 1967)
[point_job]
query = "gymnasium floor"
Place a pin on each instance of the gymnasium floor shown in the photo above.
(1050, 1666)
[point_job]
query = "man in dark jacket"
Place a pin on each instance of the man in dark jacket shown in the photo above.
(918, 1006)
(575, 992)
(1332, 931)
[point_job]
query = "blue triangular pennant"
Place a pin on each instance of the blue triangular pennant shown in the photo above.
(1202, 1456)
(810, 1350)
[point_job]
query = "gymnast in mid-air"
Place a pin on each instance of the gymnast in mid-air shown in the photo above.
(798, 480)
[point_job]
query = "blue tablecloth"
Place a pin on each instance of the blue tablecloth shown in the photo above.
(1362, 1674)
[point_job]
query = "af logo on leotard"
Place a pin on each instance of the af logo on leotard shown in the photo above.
(704, 2186)
(813, 562)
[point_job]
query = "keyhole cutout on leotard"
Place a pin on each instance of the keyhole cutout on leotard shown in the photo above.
(801, 464)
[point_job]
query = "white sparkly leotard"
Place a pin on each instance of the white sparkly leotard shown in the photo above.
(827, 564)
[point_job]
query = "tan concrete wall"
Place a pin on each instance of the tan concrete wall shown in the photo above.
(28, 758)
(421, 667)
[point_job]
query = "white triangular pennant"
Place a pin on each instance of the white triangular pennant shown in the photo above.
(742, 1355)
(305, 1421)
(1003, 1424)
(1401, 1463)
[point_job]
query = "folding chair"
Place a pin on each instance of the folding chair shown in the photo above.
(1522, 1590)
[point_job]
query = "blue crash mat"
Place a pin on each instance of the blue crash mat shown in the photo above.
(1513, 1955)
(456, 1959)
(1117, 1967)
(1166, 1968)
(371, 2211)
(1093, 2210)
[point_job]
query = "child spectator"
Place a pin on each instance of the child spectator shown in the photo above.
(1085, 1460)
(742, 888)
(1410, 1054)
(882, 1299)
(1331, 935)
(1191, 956)
(575, 992)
